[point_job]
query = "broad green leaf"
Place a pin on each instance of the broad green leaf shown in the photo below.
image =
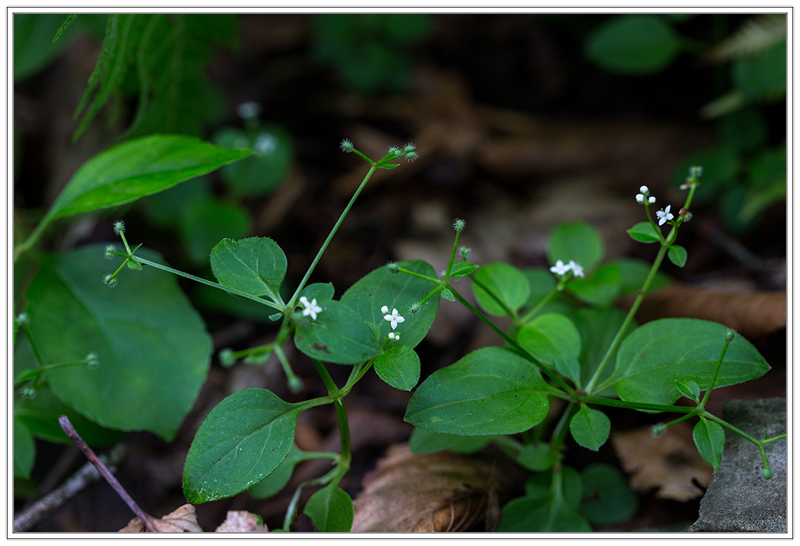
(576, 241)
(658, 354)
(549, 337)
(396, 291)
(633, 44)
(541, 283)
(709, 437)
(322, 292)
(677, 255)
(689, 389)
(540, 485)
(600, 289)
(633, 273)
(275, 482)
(399, 367)
(597, 328)
(608, 498)
(590, 427)
(547, 513)
(24, 450)
(461, 268)
(537, 456)
(255, 265)
(425, 441)
(337, 335)
(269, 165)
(331, 510)
(243, 440)
(206, 221)
(489, 391)
(137, 168)
(153, 348)
(506, 282)
(569, 367)
(644, 232)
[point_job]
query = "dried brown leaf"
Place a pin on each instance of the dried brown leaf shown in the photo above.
(241, 521)
(670, 462)
(437, 492)
(182, 520)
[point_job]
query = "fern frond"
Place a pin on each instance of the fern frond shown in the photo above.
(753, 38)
(64, 26)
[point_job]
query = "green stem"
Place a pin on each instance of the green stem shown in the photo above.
(32, 238)
(532, 313)
(356, 376)
(293, 299)
(295, 383)
(292, 509)
(415, 274)
(596, 400)
(560, 431)
(714, 376)
(506, 309)
(333, 390)
(452, 256)
(344, 433)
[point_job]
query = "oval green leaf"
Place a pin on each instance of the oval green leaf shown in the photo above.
(269, 165)
(600, 289)
(398, 367)
(590, 427)
(255, 265)
(709, 437)
(644, 232)
(608, 498)
(24, 450)
(331, 510)
(657, 355)
(461, 268)
(243, 440)
(633, 44)
(322, 292)
(489, 391)
(677, 255)
(424, 441)
(506, 282)
(275, 482)
(549, 337)
(577, 241)
(206, 221)
(633, 273)
(537, 456)
(337, 335)
(153, 347)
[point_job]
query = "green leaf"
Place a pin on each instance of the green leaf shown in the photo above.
(644, 232)
(331, 510)
(506, 282)
(425, 441)
(633, 44)
(396, 291)
(255, 265)
(597, 328)
(153, 348)
(322, 292)
(269, 165)
(590, 427)
(537, 456)
(577, 241)
(763, 76)
(446, 294)
(677, 255)
(461, 269)
(608, 499)
(541, 283)
(337, 335)
(633, 273)
(658, 354)
(137, 168)
(33, 41)
(206, 221)
(569, 367)
(166, 209)
(600, 289)
(709, 437)
(24, 450)
(399, 367)
(275, 482)
(689, 389)
(243, 440)
(550, 336)
(489, 391)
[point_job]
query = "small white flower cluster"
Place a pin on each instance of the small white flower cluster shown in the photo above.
(561, 268)
(394, 319)
(640, 197)
(664, 215)
(310, 308)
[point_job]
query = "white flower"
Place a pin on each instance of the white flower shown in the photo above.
(644, 189)
(310, 308)
(651, 200)
(394, 318)
(560, 268)
(248, 110)
(265, 144)
(664, 215)
(639, 198)
(576, 268)
(394, 336)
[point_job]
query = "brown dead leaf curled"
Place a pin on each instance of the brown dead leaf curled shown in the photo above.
(182, 520)
(241, 521)
(437, 492)
(669, 462)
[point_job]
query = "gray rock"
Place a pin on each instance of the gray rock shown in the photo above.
(739, 498)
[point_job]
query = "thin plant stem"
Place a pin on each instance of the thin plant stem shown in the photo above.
(714, 376)
(452, 256)
(415, 274)
(344, 432)
(532, 313)
(506, 309)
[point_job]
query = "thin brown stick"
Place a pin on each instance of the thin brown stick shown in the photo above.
(109, 477)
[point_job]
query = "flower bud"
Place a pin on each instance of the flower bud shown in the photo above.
(459, 224)
(465, 251)
(768, 474)
(346, 146)
(658, 430)
(394, 267)
(729, 335)
(119, 227)
(110, 251)
(227, 358)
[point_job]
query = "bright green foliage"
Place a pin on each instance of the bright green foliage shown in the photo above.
(590, 427)
(331, 510)
(399, 367)
(569, 367)
(633, 44)
(206, 221)
(242, 441)
(506, 282)
(577, 241)
(269, 165)
(425, 441)
(597, 328)
(24, 450)
(550, 336)
(461, 268)
(153, 348)
(322, 292)
(166, 209)
(601, 288)
(255, 265)
(633, 273)
(489, 391)
(608, 497)
(396, 291)
(658, 354)
(275, 482)
(338, 335)
(709, 437)
(644, 232)
(537, 456)
(137, 168)
(677, 255)
(540, 282)
(689, 389)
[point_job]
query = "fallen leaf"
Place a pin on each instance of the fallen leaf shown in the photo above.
(242, 521)
(669, 462)
(182, 520)
(437, 492)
